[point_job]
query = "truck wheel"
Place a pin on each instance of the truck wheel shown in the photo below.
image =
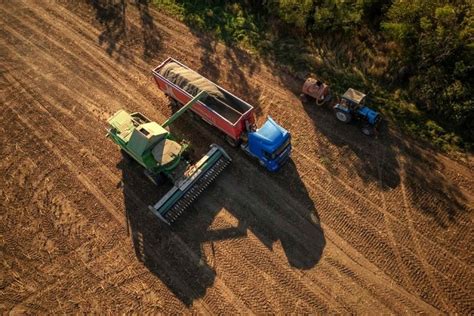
(367, 130)
(343, 116)
(156, 179)
(231, 141)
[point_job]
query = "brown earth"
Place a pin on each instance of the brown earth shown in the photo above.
(351, 224)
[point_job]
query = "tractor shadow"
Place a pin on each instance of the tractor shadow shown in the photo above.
(120, 34)
(372, 159)
(379, 160)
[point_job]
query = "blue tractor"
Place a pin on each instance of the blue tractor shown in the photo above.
(351, 107)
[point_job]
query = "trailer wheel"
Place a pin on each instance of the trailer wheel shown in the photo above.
(231, 141)
(193, 115)
(343, 116)
(174, 103)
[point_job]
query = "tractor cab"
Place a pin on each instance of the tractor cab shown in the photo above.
(353, 99)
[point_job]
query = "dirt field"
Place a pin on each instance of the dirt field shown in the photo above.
(351, 224)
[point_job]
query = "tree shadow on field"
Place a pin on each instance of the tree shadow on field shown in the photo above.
(119, 34)
(238, 64)
(430, 190)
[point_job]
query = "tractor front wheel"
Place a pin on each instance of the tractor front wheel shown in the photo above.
(234, 143)
(342, 116)
(367, 130)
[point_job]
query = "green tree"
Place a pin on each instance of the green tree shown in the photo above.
(436, 42)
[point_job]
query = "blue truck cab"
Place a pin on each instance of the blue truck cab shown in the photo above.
(270, 144)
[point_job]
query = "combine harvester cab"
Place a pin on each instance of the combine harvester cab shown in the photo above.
(233, 117)
(154, 148)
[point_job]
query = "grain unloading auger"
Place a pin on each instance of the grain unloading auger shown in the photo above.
(154, 148)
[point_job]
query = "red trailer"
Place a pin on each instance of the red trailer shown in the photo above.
(231, 119)
(230, 114)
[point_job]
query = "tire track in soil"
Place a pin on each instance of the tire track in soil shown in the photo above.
(42, 180)
(371, 205)
(337, 220)
(82, 179)
(144, 206)
(418, 250)
(171, 29)
(90, 155)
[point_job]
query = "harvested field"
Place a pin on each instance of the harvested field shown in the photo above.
(350, 225)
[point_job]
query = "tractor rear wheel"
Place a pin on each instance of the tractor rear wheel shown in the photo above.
(342, 116)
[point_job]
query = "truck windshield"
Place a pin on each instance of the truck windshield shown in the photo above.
(282, 148)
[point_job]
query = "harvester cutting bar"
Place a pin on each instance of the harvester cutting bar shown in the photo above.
(187, 189)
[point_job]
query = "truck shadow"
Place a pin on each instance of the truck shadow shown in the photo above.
(275, 207)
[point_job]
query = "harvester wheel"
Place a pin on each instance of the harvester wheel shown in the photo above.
(343, 116)
(126, 157)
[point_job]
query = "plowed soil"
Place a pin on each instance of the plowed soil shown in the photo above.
(351, 224)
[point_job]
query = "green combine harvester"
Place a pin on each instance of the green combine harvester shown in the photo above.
(154, 148)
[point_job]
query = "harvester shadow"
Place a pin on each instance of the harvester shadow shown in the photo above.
(168, 253)
(119, 35)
